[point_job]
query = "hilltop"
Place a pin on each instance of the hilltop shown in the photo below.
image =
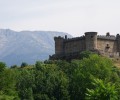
(26, 46)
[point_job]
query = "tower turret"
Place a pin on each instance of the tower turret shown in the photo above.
(59, 46)
(91, 40)
(118, 43)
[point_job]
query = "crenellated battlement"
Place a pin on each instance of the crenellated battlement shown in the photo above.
(74, 39)
(108, 45)
(111, 37)
(59, 37)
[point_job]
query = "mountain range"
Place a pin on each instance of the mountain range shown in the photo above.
(27, 46)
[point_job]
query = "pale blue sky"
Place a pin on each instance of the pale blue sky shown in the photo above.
(71, 16)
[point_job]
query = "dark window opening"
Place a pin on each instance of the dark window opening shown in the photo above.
(107, 46)
(91, 36)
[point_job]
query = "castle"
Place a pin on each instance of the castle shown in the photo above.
(70, 48)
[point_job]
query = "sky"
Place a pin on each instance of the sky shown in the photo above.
(72, 16)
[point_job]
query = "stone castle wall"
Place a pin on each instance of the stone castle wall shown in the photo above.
(106, 45)
(74, 45)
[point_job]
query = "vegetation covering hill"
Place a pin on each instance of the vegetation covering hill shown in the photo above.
(26, 46)
(91, 78)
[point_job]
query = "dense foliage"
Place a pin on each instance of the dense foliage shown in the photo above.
(91, 78)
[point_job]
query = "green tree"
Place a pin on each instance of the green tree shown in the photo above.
(25, 84)
(85, 54)
(8, 85)
(50, 83)
(24, 64)
(14, 66)
(102, 91)
(89, 68)
(2, 66)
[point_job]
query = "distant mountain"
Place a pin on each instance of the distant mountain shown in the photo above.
(26, 46)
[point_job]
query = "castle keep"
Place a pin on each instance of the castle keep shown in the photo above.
(107, 45)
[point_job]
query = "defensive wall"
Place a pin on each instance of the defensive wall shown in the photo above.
(108, 45)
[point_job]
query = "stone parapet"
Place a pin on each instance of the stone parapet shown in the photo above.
(74, 39)
(111, 37)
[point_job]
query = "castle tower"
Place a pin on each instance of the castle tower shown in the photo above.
(118, 43)
(59, 46)
(91, 40)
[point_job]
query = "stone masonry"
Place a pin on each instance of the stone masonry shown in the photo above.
(70, 48)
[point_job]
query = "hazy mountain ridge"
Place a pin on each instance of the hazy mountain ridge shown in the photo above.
(26, 46)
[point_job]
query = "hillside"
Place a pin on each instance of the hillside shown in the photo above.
(26, 46)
